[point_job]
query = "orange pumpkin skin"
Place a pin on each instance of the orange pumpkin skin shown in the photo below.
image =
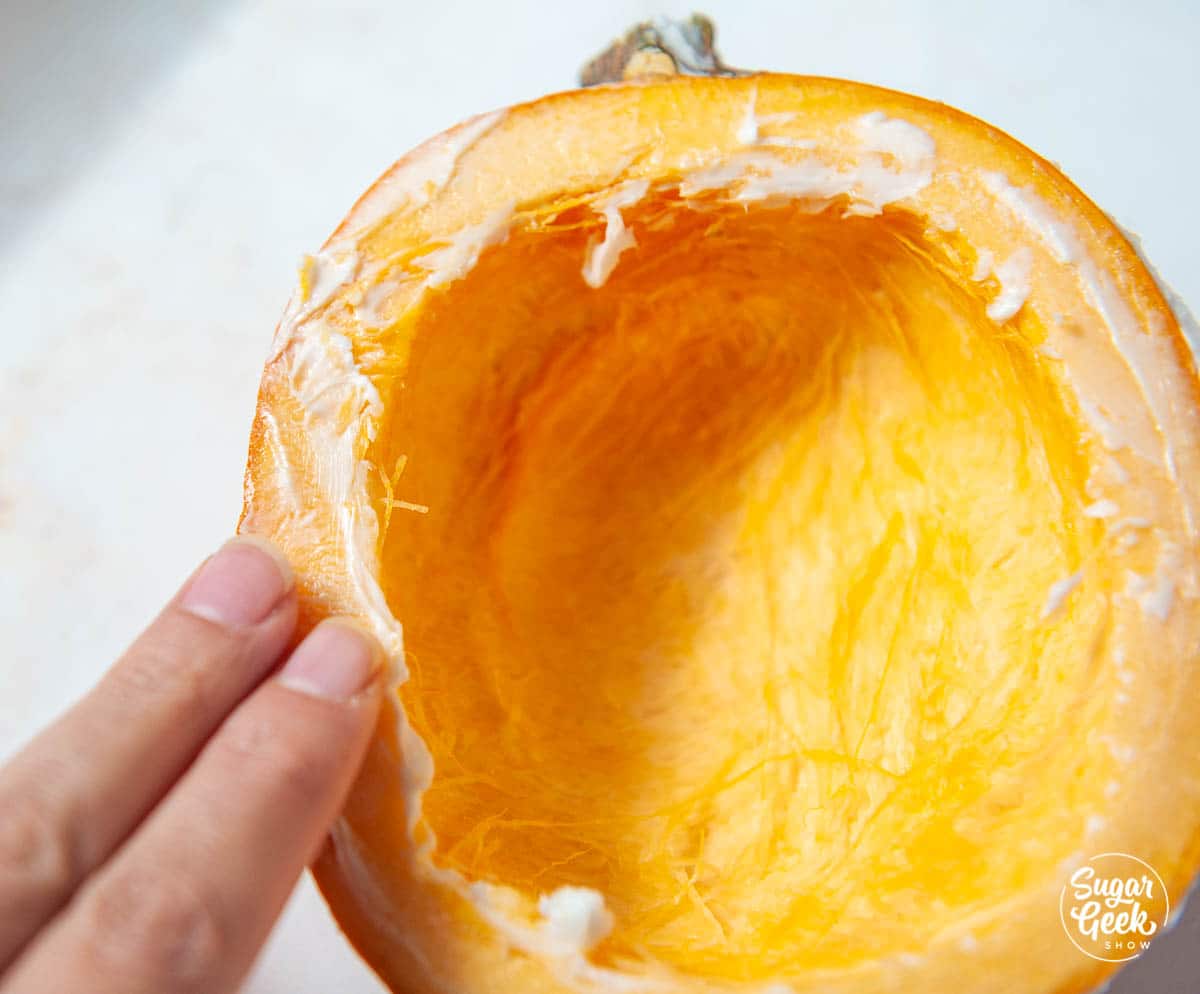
(771, 491)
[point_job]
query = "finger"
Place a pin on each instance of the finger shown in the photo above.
(188, 901)
(70, 798)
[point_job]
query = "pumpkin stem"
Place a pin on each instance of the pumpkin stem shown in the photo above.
(662, 47)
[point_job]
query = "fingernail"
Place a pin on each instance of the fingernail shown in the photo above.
(241, 584)
(338, 660)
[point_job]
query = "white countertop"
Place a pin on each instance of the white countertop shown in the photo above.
(161, 174)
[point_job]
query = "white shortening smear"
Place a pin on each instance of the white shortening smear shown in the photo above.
(602, 256)
(943, 221)
(1034, 214)
(896, 163)
(726, 172)
(1101, 509)
(576, 917)
(572, 920)
(1138, 349)
(1153, 596)
(343, 408)
(325, 274)
(1059, 593)
(1110, 435)
(1121, 752)
(1014, 276)
(749, 129)
(983, 265)
(420, 177)
(1119, 473)
(410, 185)
(456, 259)
(321, 394)
(1133, 522)
(1157, 601)
(782, 141)
(369, 309)
(893, 136)
(1126, 541)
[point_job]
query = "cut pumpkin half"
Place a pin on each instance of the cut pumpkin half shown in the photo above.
(775, 496)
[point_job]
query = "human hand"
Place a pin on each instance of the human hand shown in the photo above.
(150, 837)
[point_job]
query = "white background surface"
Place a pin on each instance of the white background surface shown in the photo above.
(162, 169)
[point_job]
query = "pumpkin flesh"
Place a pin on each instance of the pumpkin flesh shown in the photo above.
(727, 603)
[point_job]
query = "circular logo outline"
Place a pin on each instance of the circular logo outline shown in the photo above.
(1134, 955)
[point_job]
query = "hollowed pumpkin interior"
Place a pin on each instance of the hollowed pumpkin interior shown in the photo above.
(729, 600)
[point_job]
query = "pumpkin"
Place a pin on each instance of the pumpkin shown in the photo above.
(773, 495)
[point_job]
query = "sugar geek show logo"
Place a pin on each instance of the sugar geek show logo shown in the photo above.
(1112, 906)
